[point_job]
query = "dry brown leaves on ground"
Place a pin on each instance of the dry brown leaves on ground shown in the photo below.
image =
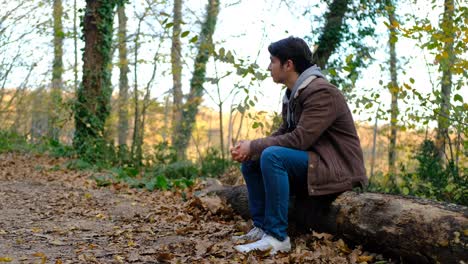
(50, 214)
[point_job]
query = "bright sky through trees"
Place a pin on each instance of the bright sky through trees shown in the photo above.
(245, 28)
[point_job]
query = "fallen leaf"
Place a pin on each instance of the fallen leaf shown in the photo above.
(6, 259)
(118, 258)
(165, 256)
(212, 203)
(42, 256)
(325, 236)
(3, 232)
(36, 230)
(58, 261)
(361, 259)
(57, 243)
(343, 247)
(100, 216)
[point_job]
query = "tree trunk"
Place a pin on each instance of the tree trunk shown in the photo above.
(136, 152)
(38, 116)
(93, 98)
(221, 130)
(166, 118)
(176, 67)
(190, 108)
(330, 38)
(446, 63)
(75, 47)
(374, 145)
(393, 87)
(123, 80)
(57, 70)
(415, 230)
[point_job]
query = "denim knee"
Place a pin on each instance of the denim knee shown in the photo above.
(249, 167)
(269, 154)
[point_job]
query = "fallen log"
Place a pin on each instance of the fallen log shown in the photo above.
(413, 230)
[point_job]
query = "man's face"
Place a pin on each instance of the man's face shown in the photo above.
(277, 71)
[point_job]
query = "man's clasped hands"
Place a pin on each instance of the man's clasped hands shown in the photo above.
(241, 151)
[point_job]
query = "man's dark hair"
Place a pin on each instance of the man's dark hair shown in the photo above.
(294, 49)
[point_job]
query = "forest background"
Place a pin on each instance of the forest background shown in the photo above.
(155, 92)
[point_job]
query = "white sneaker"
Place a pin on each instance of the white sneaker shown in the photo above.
(253, 235)
(266, 243)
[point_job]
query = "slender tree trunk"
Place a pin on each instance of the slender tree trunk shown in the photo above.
(393, 87)
(57, 70)
(75, 45)
(146, 103)
(93, 98)
(331, 36)
(176, 67)
(221, 130)
(38, 116)
(166, 118)
(230, 128)
(123, 80)
(136, 122)
(185, 127)
(239, 130)
(446, 63)
(374, 145)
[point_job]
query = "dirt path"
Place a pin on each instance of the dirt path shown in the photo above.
(53, 215)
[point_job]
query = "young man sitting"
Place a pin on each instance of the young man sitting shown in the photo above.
(316, 151)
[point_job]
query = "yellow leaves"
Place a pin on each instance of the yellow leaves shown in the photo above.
(119, 259)
(395, 24)
(6, 259)
(456, 238)
(361, 259)
(88, 196)
(42, 256)
(101, 216)
(343, 247)
(36, 230)
(131, 243)
(427, 27)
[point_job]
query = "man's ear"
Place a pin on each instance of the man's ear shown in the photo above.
(290, 65)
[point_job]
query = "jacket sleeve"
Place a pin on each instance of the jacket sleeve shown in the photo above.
(318, 113)
(281, 130)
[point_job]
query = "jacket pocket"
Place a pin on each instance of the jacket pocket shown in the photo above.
(324, 172)
(315, 175)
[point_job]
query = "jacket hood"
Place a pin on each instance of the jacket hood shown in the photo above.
(302, 81)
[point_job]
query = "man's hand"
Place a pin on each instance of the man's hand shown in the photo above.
(241, 151)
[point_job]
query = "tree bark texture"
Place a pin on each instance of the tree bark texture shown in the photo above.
(393, 87)
(446, 64)
(123, 79)
(93, 97)
(415, 230)
(176, 67)
(332, 33)
(190, 108)
(57, 70)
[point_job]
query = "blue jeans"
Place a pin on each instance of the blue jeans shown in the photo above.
(279, 172)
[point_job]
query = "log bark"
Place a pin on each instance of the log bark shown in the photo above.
(412, 229)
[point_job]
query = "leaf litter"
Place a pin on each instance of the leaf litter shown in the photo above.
(51, 214)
